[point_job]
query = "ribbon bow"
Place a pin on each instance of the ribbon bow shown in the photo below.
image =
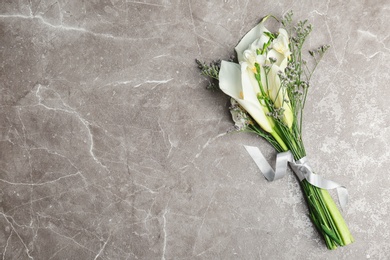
(301, 168)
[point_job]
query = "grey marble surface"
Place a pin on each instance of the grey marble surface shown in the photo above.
(112, 148)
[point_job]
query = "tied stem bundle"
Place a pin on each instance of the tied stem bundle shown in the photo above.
(268, 89)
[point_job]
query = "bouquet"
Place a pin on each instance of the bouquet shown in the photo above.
(268, 89)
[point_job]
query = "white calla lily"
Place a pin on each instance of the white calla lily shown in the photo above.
(235, 81)
(279, 95)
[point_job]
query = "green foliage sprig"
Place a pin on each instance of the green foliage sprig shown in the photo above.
(210, 71)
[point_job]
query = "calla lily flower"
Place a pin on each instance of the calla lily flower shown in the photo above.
(235, 82)
(279, 95)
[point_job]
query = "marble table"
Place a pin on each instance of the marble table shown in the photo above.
(112, 148)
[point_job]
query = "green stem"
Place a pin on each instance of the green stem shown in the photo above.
(342, 227)
(279, 140)
(317, 212)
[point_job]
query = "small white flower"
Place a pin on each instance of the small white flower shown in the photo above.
(281, 43)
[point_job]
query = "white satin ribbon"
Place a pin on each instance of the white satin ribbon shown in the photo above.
(301, 168)
(282, 160)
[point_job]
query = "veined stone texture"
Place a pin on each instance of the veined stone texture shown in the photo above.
(112, 148)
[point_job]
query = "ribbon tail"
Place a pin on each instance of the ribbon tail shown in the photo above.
(282, 160)
(322, 183)
(342, 193)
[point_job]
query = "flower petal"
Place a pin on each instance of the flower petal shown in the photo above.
(279, 95)
(288, 116)
(230, 79)
(250, 87)
(281, 60)
(256, 33)
(258, 114)
(283, 32)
